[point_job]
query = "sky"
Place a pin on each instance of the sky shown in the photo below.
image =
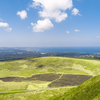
(49, 23)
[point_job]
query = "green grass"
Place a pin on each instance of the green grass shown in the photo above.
(50, 64)
(12, 86)
(89, 90)
(63, 65)
(40, 95)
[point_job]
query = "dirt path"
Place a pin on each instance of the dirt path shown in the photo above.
(57, 78)
(10, 92)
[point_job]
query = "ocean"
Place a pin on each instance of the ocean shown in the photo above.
(69, 49)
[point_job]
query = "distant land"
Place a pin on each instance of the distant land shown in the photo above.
(14, 53)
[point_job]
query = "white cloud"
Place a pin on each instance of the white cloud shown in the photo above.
(67, 32)
(42, 25)
(22, 14)
(8, 29)
(76, 30)
(53, 9)
(58, 15)
(4, 24)
(75, 12)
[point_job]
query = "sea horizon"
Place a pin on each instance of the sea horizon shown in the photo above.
(70, 49)
(60, 49)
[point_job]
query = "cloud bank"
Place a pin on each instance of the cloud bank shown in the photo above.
(53, 9)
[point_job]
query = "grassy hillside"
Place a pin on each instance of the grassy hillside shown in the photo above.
(35, 73)
(65, 65)
(89, 90)
(33, 95)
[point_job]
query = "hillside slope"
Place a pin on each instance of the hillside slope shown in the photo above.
(89, 90)
(62, 65)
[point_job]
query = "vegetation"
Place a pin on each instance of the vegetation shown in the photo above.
(63, 65)
(89, 90)
(29, 74)
(33, 95)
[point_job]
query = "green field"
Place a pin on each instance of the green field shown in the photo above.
(43, 66)
(33, 66)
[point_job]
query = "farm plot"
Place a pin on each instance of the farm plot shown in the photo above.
(70, 80)
(57, 80)
(40, 77)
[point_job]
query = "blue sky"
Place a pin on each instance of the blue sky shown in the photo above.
(49, 23)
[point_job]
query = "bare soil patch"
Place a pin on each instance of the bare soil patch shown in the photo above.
(70, 80)
(12, 79)
(44, 77)
(40, 77)
(58, 80)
